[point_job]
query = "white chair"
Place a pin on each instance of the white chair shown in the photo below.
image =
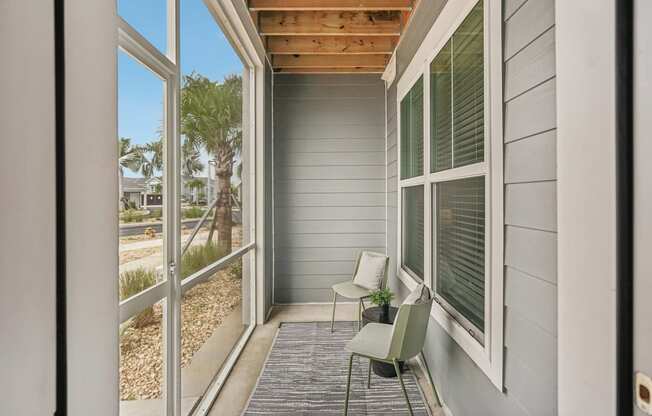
(369, 274)
(394, 343)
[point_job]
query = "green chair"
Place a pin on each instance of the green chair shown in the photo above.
(354, 290)
(393, 343)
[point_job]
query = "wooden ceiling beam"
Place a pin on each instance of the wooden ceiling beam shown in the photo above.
(344, 5)
(352, 70)
(329, 23)
(329, 61)
(324, 45)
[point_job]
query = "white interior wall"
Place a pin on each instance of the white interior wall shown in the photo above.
(27, 201)
(92, 218)
(586, 206)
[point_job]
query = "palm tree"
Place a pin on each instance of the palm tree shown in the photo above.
(195, 184)
(129, 157)
(211, 118)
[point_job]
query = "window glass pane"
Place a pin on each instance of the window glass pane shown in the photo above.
(149, 18)
(141, 363)
(141, 255)
(214, 315)
(441, 111)
(212, 154)
(412, 132)
(468, 90)
(413, 229)
(140, 170)
(460, 248)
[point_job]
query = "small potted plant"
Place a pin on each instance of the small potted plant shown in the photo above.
(382, 298)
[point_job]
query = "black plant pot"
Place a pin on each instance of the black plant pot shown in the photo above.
(384, 314)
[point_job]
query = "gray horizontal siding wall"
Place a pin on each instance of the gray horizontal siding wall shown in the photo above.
(530, 225)
(329, 180)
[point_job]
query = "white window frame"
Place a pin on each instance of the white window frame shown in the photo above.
(166, 67)
(489, 354)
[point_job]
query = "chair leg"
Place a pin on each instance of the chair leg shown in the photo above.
(359, 315)
(432, 383)
(348, 387)
(400, 379)
(333, 317)
(369, 375)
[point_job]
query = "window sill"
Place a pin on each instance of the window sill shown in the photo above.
(477, 352)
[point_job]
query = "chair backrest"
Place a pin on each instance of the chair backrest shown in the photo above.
(409, 331)
(357, 265)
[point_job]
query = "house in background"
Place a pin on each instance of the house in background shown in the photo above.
(486, 147)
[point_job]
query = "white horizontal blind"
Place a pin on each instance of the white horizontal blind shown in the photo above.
(412, 132)
(461, 245)
(457, 139)
(413, 230)
(457, 97)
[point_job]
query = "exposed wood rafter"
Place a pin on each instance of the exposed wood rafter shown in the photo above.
(337, 5)
(330, 36)
(324, 45)
(329, 23)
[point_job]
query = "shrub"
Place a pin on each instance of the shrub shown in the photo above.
(135, 281)
(236, 269)
(155, 213)
(199, 256)
(132, 215)
(193, 212)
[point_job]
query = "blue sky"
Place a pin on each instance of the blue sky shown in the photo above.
(203, 49)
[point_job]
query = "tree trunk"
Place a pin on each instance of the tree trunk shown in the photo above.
(223, 213)
(223, 217)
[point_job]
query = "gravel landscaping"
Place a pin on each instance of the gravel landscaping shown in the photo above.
(204, 308)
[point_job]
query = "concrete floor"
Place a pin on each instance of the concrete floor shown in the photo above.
(242, 380)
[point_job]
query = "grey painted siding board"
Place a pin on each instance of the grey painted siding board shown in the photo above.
(362, 199)
(532, 205)
(331, 185)
(531, 66)
(329, 213)
(325, 254)
(326, 226)
(305, 268)
(532, 251)
(532, 159)
(363, 158)
(532, 298)
(330, 240)
(531, 113)
(319, 172)
(337, 91)
(347, 111)
(329, 179)
(310, 282)
(357, 130)
(529, 389)
(328, 145)
(529, 22)
(311, 295)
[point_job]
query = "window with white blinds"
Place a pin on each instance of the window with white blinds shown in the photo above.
(460, 247)
(457, 97)
(450, 196)
(413, 230)
(412, 132)
(458, 205)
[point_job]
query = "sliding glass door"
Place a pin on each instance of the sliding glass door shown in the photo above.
(186, 166)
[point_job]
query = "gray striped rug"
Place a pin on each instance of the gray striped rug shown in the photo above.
(305, 374)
